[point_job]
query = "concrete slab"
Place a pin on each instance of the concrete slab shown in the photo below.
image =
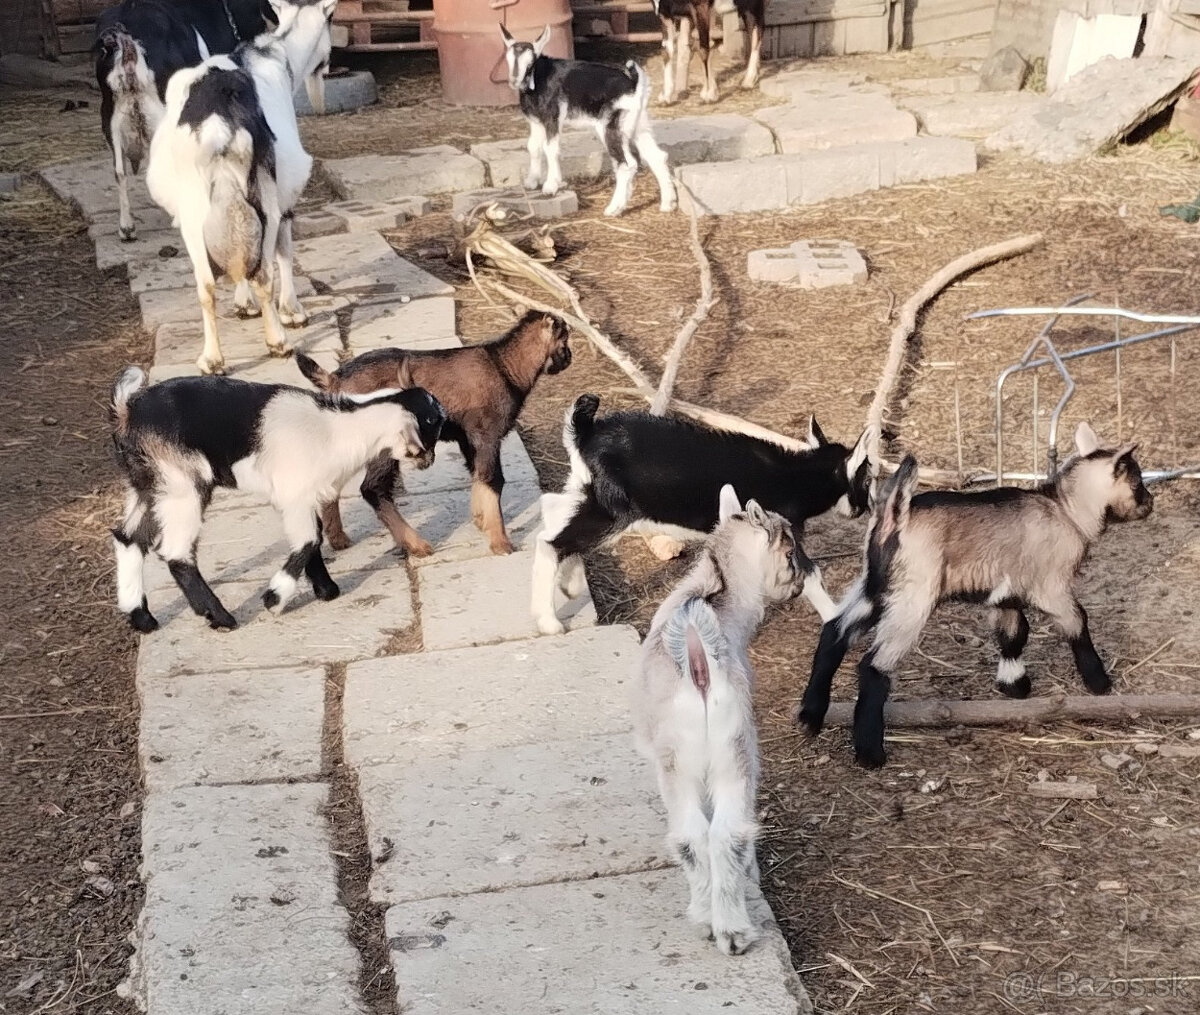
(151, 217)
(1097, 107)
(449, 471)
(815, 122)
(922, 158)
(405, 709)
(364, 216)
(161, 273)
(89, 185)
(951, 84)
(580, 154)
(263, 370)
(180, 306)
(10, 183)
(610, 946)
(231, 727)
(241, 911)
(373, 606)
(426, 323)
(478, 602)
(432, 170)
(810, 264)
(727, 188)
(317, 222)
(112, 251)
(512, 816)
(970, 115)
(364, 264)
(516, 199)
(815, 80)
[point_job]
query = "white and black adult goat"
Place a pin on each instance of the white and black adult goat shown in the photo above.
(139, 45)
(181, 438)
(228, 166)
(1006, 547)
(694, 716)
(632, 470)
(556, 94)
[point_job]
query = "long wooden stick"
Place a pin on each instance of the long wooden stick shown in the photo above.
(907, 324)
(901, 714)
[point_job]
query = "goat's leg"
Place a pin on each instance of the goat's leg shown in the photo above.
(331, 523)
(836, 634)
(704, 30)
(243, 301)
(572, 524)
(126, 226)
(132, 540)
(179, 512)
(688, 837)
(211, 361)
(302, 529)
(683, 54)
(291, 312)
(379, 490)
(654, 157)
(754, 57)
(623, 163)
(323, 585)
(670, 44)
(263, 279)
(1012, 632)
(554, 180)
(536, 147)
(731, 844)
(1071, 619)
(486, 490)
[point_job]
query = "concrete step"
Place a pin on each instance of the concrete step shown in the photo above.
(814, 122)
(511, 816)
(609, 946)
(363, 263)
(241, 910)
(180, 306)
(406, 709)
(89, 185)
(970, 114)
(434, 170)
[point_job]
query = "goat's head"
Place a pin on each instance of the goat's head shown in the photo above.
(419, 436)
(1106, 480)
(305, 25)
(553, 336)
(856, 468)
(521, 56)
(757, 549)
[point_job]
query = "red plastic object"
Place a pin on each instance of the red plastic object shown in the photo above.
(471, 52)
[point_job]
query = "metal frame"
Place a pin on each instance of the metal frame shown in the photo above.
(1052, 357)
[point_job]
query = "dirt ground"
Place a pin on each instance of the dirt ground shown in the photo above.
(935, 884)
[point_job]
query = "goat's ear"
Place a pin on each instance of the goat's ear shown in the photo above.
(756, 514)
(859, 454)
(1086, 440)
(328, 6)
(404, 376)
(506, 35)
(541, 41)
(276, 6)
(1123, 458)
(729, 505)
(816, 436)
(894, 498)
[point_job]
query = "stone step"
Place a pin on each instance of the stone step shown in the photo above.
(364, 264)
(241, 910)
(241, 726)
(970, 114)
(486, 600)
(407, 709)
(180, 306)
(426, 323)
(112, 251)
(105, 223)
(813, 122)
(511, 816)
(610, 946)
(781, 181)
(373, 606)
(434, 170)
(689, 139)
(263, 369)
(89, 185)
(161, 273)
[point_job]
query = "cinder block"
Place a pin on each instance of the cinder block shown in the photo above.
(922, 158)
(316, 223)
(839, 172)
(368, 216)
(565, 202)
(817, 121)
(423, 170)
(810, 264)
(747, 185)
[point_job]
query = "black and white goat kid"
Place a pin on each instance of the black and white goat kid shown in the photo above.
(1009, 548)
(556, 94)
(228, 166)
(139, 45)
(633, 470)
(180, 439)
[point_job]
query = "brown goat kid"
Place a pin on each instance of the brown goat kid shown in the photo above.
(482, 388)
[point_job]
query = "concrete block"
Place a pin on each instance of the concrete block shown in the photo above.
(1080, 42)
(318, 222)
(839, 172)
(420, 171)
(970, 115)
(951, 84)
(810, 264)
(91, 188)
(580, 154)
(262, 370)
(1004, 71)
(523, 202)
(366, 264)
(180, 306)
(112, 251)
(9, 182)
(823, 121)
(358, 625)
(747, 185)
(104, 223)
(815, 79)
(161, 273)
(343, 92)
(403, 709)
(231, 727)
(478, 602)
(922, 158)
(618, 945)
(367, 216)
(512, 816)
(426, 323)
(241, 910)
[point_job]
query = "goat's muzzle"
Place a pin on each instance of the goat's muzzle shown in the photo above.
(422, 457)
(560, 359)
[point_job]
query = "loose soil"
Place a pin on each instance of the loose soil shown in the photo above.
(934, 884)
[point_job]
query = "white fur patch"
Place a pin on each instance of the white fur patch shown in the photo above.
(131, 588)
(814, 592)
(284, 586)
(1010, 671)
(1000, 593)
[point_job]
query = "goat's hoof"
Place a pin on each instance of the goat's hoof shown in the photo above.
(668, 206)
(613, 210)
(142, 620)
(550, 190)
(1018, 688)
(501, 547)
(418, 547)
(127, 233)
(247, 311)
(550, 625)
(735, 942)
(1098, 687)
(270, 600)
(221, 620)
(326, 591)
(280, 351)
(666, 100)
(212, 368)
(810, 720)
(872, 756)
(708, 97)
(338, 540)
(292, 317)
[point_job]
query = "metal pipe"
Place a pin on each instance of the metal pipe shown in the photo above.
(1085, 312)
(1106, 346)
(1149, 476)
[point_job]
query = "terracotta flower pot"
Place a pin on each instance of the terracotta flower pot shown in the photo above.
(471, 52)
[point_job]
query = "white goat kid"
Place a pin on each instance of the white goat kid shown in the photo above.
(228, 166)
(693, 712)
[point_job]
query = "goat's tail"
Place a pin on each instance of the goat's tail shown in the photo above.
(693, 639)
(641, 87)
(580, 421)
(131, 381)
(892, 506)
(317, 375)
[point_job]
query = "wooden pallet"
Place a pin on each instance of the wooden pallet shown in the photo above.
(385, 26)
(613, 18)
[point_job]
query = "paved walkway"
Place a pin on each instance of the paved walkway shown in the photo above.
(516, 837)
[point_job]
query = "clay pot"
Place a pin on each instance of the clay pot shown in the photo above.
(471, 52)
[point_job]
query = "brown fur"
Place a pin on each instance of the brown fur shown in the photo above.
(482, 389)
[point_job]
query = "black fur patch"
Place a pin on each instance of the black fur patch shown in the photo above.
(590, 89)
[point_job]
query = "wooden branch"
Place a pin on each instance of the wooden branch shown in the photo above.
(704, 303)
(911, 714)
(907, 324)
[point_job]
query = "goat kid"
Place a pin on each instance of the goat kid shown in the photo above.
(180, 439)
(228, 166)
(693, 712)
(632, 470)
(139, 45)
(482, 388)
(678, 16)
(556, 94)
(1007, 547)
